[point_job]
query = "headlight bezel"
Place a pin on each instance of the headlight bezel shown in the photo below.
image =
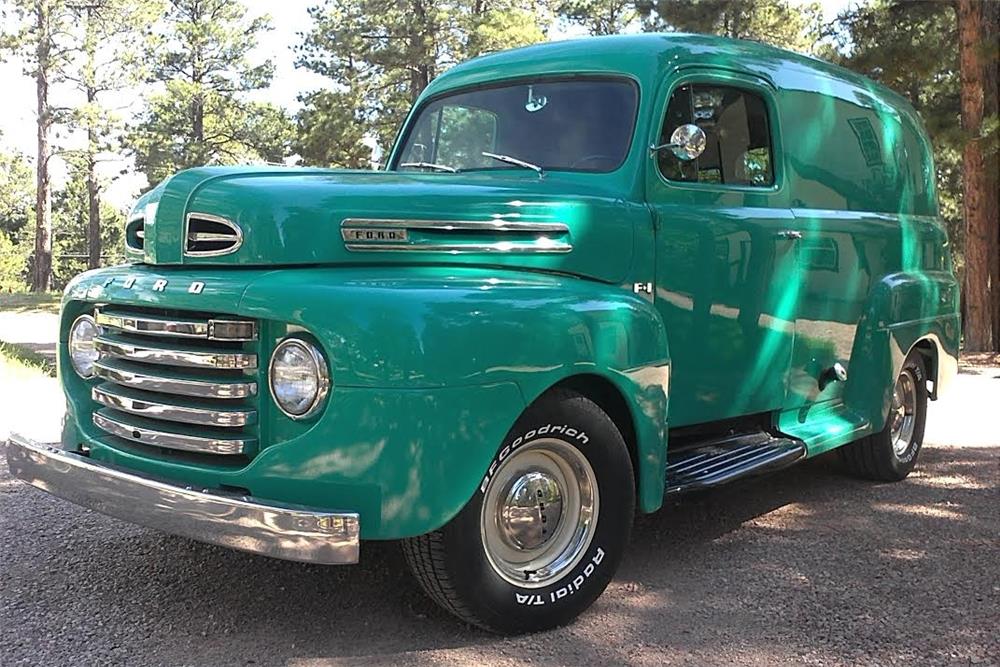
(323, 382)
(73, 328)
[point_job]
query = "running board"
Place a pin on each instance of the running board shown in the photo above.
(722, 461)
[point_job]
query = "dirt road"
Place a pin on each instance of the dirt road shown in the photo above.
(806, 566)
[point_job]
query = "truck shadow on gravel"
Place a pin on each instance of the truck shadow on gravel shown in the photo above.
(803, 562)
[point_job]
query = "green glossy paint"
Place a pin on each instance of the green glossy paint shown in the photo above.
(434, 355)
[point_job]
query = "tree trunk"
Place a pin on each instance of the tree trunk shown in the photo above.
(980, 235)
(991, 109)
(42, 274)
(93, 190)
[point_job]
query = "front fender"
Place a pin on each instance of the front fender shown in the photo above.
(437, 327)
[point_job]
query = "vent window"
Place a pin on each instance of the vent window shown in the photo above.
(208, 236)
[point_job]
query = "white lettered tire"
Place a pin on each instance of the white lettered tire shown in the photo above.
(545, 531)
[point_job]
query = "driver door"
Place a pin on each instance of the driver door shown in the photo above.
(725, 250)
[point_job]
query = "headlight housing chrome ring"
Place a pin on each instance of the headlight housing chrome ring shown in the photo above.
(82, 353)
(298, 378)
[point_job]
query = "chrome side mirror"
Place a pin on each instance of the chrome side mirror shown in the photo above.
(687, 142)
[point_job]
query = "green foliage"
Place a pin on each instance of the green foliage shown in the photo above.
(599, 17)
(380, 54)
(776, 22)
(69, 229)
(17, 209)
(202, 116)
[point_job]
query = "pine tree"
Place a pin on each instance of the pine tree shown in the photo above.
(202, 116)
(380, 55)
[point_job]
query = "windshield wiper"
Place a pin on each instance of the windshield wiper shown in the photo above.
(430, 165)
(514, 161)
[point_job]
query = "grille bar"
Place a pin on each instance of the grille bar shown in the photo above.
(134, 404)
(212, 329)
(173, 356)
(113, 371)
(169, 439)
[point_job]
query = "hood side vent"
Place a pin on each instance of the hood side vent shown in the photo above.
(211, 236)
(135, 233)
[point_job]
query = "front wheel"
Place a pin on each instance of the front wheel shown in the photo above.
(543, 535)
(891, 454)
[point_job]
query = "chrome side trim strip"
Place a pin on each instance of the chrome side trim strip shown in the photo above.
(183, 387)
(173, 357)
(156, 438)
(393, 234)
(239, 522)
(464, 248)
(236, 237)
(499, 225)
(238, 330)
(177, 413)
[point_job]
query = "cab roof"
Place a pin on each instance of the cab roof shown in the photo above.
(648, 57)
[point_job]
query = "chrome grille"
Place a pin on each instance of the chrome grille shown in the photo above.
(210, 236)
(179, 383)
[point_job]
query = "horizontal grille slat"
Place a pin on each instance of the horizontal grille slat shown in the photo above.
(179, 383)
(130, 375)
(164, 355)
(149, 432)
(140, 403)
(149, 325)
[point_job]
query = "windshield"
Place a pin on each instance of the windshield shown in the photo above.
(575, 125)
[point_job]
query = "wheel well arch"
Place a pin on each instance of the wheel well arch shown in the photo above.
(928, 349)
(611, 400)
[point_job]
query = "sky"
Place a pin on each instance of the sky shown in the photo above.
(288, 18)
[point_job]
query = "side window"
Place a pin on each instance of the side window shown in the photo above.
(738, 146)
(454, 136)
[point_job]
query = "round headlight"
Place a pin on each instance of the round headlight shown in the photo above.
(82, 353)
(298, 378)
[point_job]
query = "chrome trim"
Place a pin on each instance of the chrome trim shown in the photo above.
(155, 326)
(171, 440)
(323, 380)
(540, 244)
(174, 357)
(458, 225)
(237, 237)
(180, 386)
(239, 522)
(176, 413)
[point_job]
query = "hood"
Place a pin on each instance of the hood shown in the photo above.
(252, 216)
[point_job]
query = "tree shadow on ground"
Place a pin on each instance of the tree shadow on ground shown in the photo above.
(800, 565)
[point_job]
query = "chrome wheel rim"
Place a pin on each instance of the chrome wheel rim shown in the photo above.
(904, 412)
(540, 513)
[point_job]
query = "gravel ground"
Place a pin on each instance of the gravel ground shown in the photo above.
(806, 566)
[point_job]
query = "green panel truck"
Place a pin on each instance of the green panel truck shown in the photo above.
(593, 274)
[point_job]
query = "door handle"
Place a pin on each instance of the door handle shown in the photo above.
(790, 234)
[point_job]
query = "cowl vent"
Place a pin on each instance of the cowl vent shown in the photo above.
(134, 233)
(210, 236)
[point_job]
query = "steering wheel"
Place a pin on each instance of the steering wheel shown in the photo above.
(578, 163)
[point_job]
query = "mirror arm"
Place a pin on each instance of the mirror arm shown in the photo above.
(656, 148)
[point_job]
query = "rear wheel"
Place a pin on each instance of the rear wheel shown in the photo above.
(891, 454)
(543, 535)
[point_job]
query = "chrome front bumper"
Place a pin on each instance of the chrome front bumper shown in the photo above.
(269, 529)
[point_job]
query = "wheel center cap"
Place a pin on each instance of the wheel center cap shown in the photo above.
(531, 511)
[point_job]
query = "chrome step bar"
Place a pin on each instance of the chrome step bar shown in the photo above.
(107, 396)
(169, 439)
(154, 354)
(212, 329)
(726, 460)
(112, 372)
